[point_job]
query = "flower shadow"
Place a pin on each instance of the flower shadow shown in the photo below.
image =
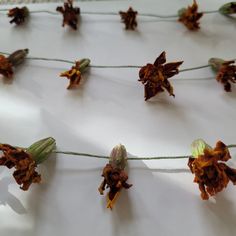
(7, 198)
(224, 215)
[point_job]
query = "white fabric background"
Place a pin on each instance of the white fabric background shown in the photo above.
(109, 109)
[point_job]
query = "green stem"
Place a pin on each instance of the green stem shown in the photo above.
(210, 12)
(129, 158)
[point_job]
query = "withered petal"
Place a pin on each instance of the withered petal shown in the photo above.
(161, 59)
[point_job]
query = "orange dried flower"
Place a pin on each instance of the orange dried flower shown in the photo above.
(114, 179)
(70, 14)
(74, 75)
(227, 74)
(129, 18)
(24, 164)
(6, 68)
(18, 14)
(211, 173)
(114, 175)
(190, 17)
(155, 76)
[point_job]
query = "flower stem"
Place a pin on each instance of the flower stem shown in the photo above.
(210, 12)
(129, 158)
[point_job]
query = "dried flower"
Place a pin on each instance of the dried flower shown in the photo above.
(14, 59)
(25, 162)
(114, 175)
(211, 174)
(75, 73)
(129, 18)
(190, 16)
(155, 76)
(226, 72)
(228, 8)
(70, 14)
(19, 15)
(6, 68)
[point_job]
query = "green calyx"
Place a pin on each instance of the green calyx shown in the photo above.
(118, 157)
(198, 146)
(228, 8)
(216, 63)
(181, 11)
(41, 149)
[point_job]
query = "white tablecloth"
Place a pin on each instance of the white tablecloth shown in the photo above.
(109, 109)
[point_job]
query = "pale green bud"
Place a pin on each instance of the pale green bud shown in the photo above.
(41, 149)
(216, 63)
(198, 146)
(118, 157)
(228, 8)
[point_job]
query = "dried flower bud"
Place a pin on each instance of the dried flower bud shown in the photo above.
(190, 16)
(129, 18)
(18, 14)
(209, 167)
(18, 56)
(70, 14)
(41, 149)
(226, 72)
(118, 157)
(228, 8)
(114, 176)
(75, 73)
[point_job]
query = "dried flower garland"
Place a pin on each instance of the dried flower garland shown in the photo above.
(188, 16)
(206, 163)
(154, 76)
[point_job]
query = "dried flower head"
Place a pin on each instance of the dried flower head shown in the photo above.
(14, 59)
(129, 18)
(70, 14)
(114, 175)
(190, 16)
(19, 15)
(211, 173)
(227, 74)
(74, 75)
(24, 164)
(155, 76)
(25, 161)
(6, 68)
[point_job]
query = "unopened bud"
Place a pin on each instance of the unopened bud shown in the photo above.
(18, 56)
(41, 149)
(228, 8)
(118, 157)
(216, 63)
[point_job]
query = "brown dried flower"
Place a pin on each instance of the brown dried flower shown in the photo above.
(115, 179)
(74, 75)
(190, 16)
(211, 174)
(70, 14)
(155, 76)
(227, 74)
(24, 164)
(6, 68)
(129, 18)
(114, 175)
(19, 15)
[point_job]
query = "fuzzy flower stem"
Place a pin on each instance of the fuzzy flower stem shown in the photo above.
(130, 158)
